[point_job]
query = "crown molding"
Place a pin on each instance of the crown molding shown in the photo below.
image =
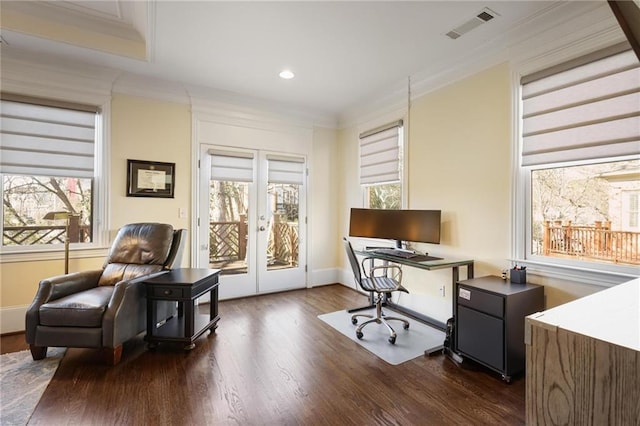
(551, 35)
(77, 16)
(79, 25)
(373, 109)
(150, 87)
(228, 104)
(588, 32)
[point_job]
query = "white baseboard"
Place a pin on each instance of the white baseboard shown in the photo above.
(332, 276)
(346, 279)
(12, 319)
(320, 277)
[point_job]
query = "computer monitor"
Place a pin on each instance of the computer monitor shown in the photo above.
(422, 226)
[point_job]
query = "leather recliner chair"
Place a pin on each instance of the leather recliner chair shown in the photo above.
(106, 307)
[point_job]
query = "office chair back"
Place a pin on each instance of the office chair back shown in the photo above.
(382, 286)
(353, 260)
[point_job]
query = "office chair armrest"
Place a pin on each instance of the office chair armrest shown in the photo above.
(385, 267)
(398, 272)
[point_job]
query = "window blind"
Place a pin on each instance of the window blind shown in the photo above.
(231, 165)
(380, 155)
(41, 140)
(591, 110)
(284, 169)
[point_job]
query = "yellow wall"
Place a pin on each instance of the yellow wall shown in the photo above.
(19, 280)
(322, 198)
(459, 162)
(151, 130)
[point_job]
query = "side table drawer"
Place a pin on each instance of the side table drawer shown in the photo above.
(166, 292)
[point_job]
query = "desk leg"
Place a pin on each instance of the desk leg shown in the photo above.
(451, 349)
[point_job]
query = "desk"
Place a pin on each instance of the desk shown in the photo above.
(183, 286)
(429, 265)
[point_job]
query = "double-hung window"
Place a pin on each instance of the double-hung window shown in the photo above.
(48, 155)
(381, 165)
(580, 164)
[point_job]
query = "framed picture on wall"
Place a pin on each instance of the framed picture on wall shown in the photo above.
(150, 179)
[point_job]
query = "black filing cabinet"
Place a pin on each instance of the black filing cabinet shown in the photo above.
(489, 321)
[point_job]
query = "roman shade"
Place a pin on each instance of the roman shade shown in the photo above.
(42, 140)
(231, 165)
(285, 169)
(380, 154)
(586, 109)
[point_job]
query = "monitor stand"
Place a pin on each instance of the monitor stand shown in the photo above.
(400, 248)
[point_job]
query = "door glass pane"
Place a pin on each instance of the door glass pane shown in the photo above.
(283, 225)
(228, 205)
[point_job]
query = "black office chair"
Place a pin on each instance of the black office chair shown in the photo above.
(381, 286)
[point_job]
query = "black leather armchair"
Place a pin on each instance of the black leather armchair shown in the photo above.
(106, 307)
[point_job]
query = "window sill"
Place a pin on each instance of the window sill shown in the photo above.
(51, 254)
(580, 274)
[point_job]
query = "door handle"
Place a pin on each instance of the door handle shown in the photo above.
(262, 228)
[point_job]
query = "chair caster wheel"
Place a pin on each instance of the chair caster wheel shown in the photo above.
(392, 340)
(406, 326)
(359, 334)
(354, 321)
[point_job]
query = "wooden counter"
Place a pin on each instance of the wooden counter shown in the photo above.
(583, 360)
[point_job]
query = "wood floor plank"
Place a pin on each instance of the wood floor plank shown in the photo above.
(273, 362)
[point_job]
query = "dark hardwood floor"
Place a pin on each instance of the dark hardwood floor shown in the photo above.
(273, 362)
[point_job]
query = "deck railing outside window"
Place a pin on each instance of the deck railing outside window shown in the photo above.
(33, 235)
(228, 241)
(590, 242)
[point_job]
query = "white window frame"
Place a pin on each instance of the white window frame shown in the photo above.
(403, 169)
(98, 246)
(593, 273)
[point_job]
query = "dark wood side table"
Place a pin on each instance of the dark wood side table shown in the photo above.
(183, 286)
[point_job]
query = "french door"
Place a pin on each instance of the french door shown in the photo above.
(252, 217)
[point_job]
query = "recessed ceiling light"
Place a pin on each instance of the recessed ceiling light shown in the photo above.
(287, 75)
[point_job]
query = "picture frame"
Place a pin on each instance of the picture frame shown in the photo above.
(150, 179)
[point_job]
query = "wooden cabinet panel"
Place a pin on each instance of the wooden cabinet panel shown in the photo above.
(574, 379)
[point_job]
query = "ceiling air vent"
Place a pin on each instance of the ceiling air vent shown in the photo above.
(484, 16)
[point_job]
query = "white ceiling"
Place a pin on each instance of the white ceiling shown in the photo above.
(342, 52)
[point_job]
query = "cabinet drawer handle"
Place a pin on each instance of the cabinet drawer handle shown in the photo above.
(167, 292)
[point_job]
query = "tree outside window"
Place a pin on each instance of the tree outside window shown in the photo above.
(385, 196)
(27, 199)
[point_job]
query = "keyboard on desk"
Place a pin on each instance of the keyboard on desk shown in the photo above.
(395, 252)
